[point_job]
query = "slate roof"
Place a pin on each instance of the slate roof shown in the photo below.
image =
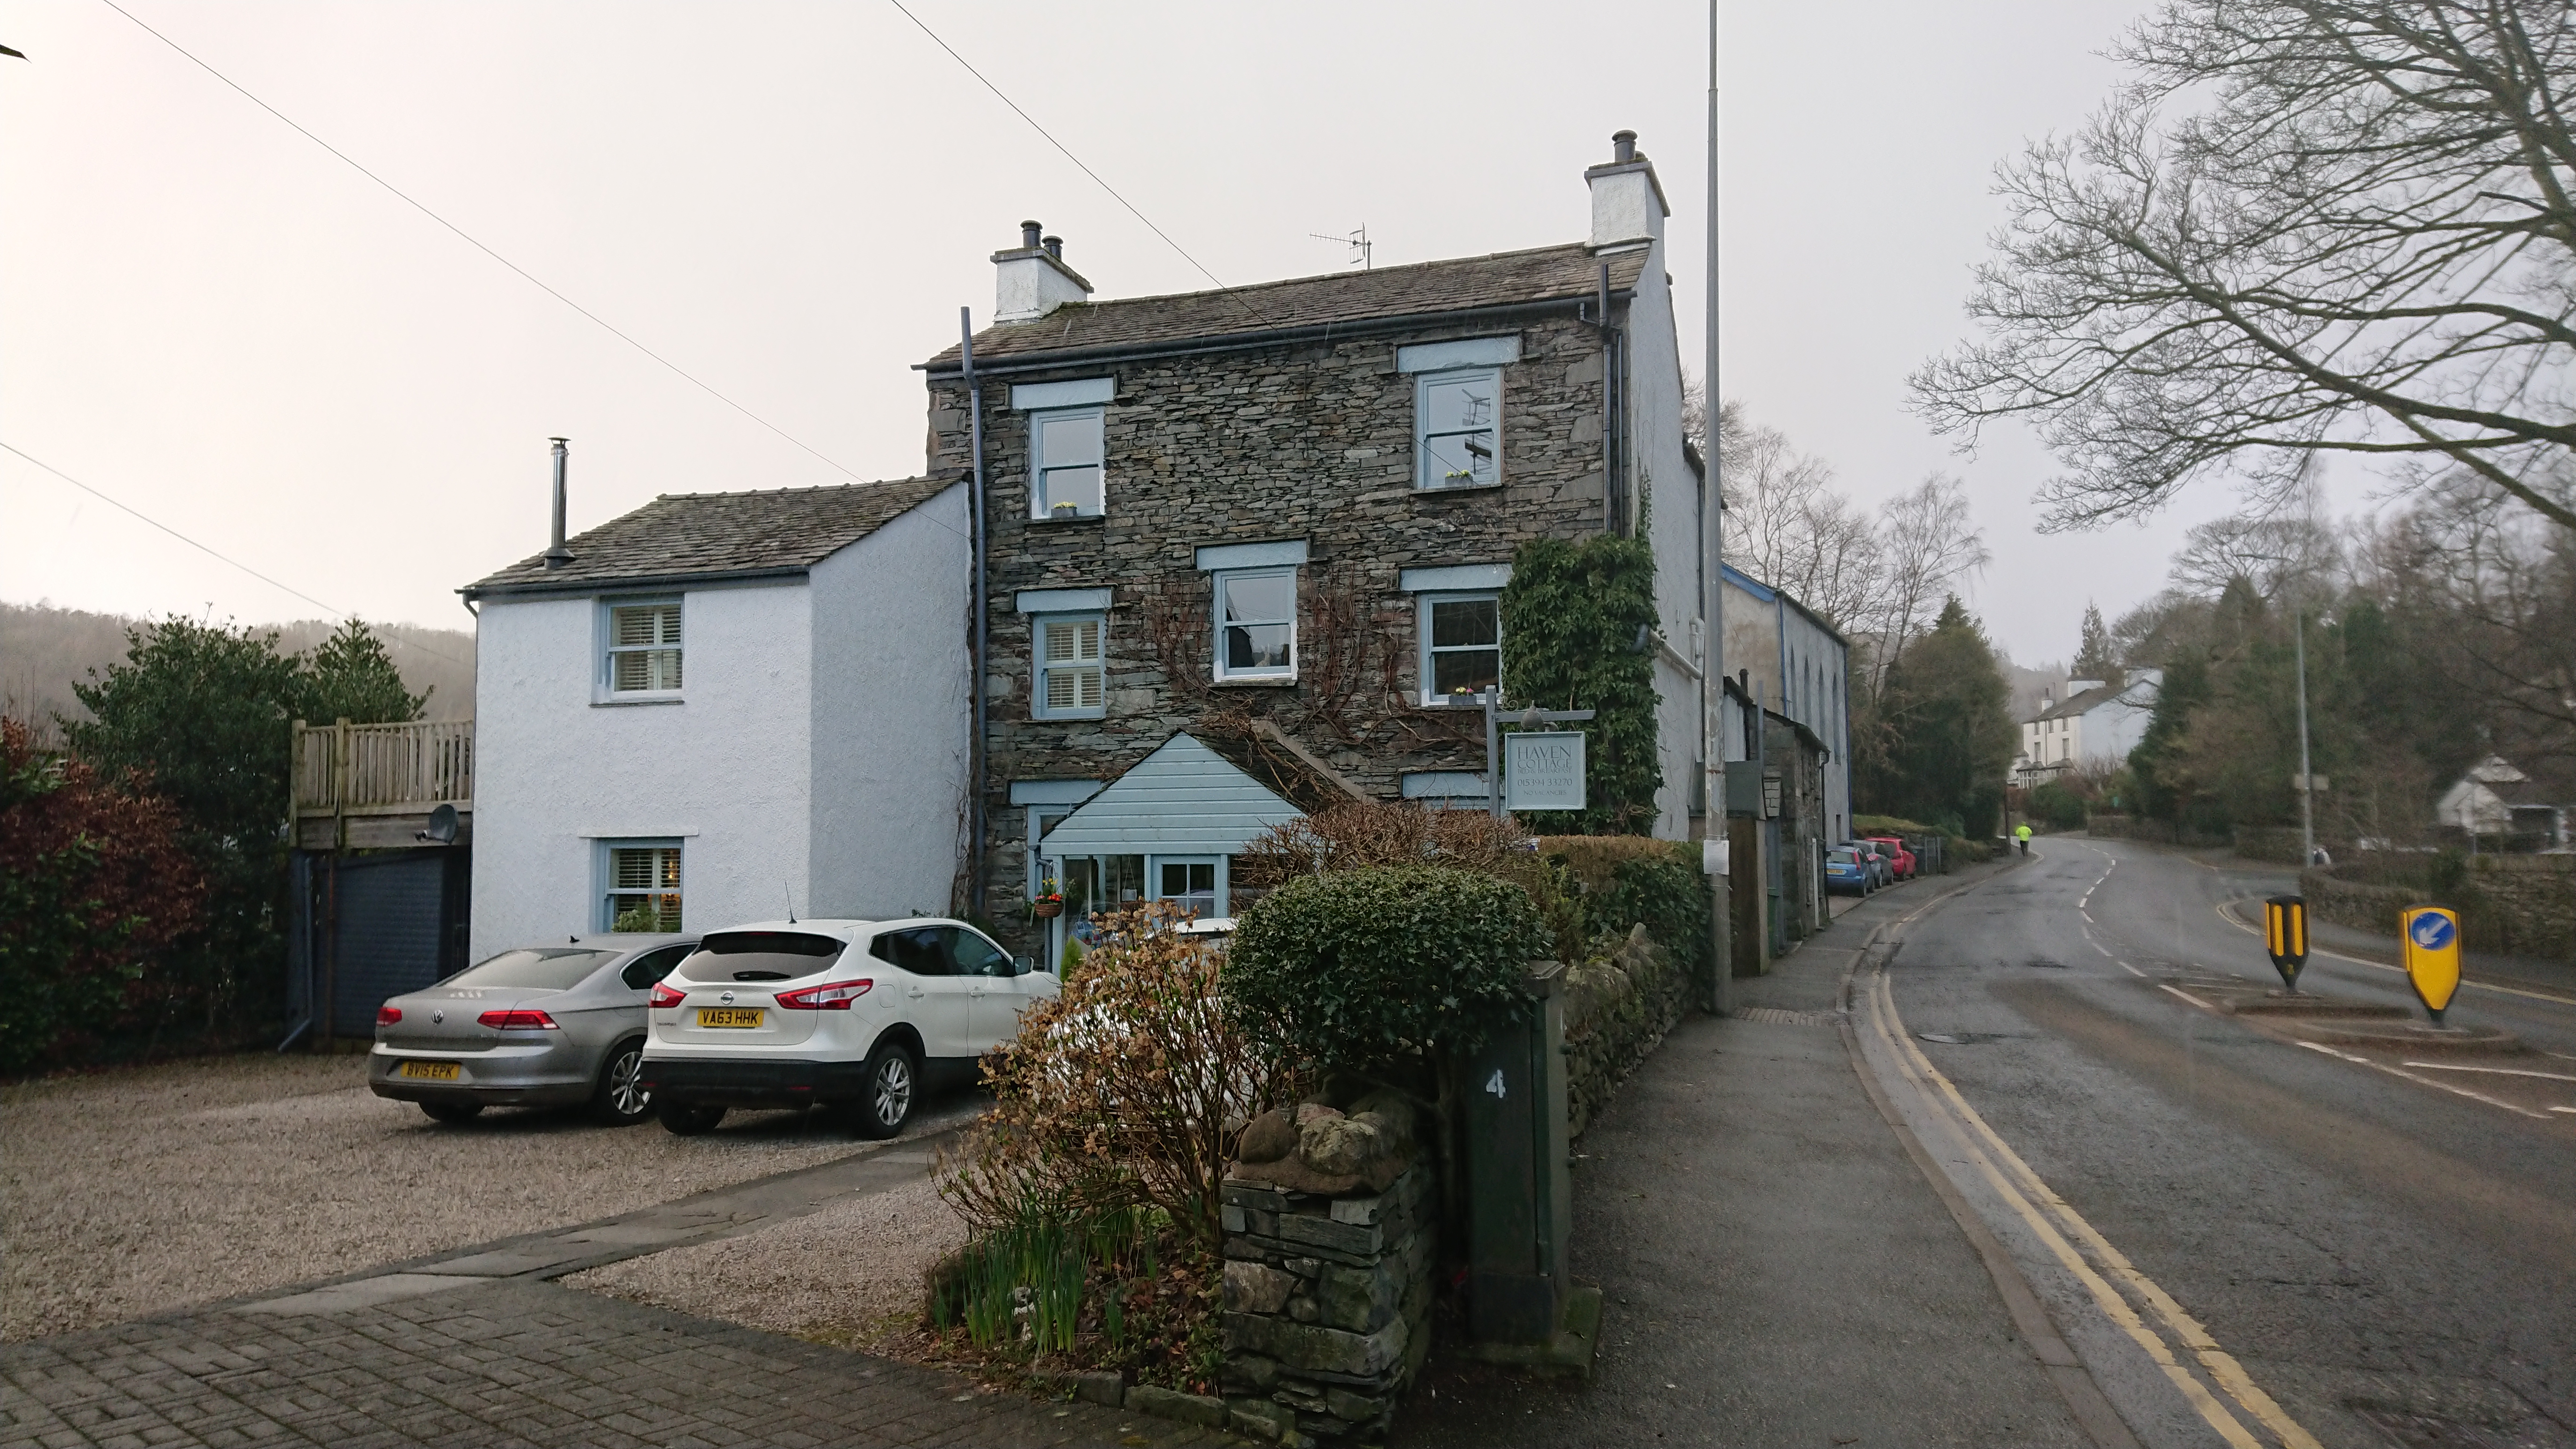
(1503, 279)
(680, 536)
(2075, 704)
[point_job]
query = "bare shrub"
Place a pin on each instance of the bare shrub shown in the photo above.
(1125, 1090)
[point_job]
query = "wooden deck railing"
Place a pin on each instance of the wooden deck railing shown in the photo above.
(383, 769)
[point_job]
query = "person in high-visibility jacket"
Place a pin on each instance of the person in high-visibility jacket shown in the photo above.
(2021, 837)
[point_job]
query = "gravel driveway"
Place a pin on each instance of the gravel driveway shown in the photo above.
(134, 1192)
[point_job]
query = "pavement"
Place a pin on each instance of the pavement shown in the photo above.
(482, 1347)
(1777, 1269)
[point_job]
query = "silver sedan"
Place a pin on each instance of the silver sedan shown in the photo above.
(532, 1027)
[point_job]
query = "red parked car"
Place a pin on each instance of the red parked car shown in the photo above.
(1898, 857)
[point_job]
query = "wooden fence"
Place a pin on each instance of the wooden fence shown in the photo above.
(383, 769)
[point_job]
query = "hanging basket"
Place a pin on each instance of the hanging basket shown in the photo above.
(1046, 910)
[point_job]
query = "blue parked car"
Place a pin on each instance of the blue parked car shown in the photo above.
(1847, 874)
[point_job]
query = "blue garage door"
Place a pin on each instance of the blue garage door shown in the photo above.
(390, 913)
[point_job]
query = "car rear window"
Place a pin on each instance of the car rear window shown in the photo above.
(536, 968)
(761, 956)
(1841, 856)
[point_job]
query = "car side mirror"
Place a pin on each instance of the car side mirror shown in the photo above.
(1023, 965)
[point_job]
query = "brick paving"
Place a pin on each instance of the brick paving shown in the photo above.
(506, 1362)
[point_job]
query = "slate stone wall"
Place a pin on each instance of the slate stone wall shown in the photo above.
(1312, 441)
(2518, 905)
(1617, 1011)
(1327, 1306)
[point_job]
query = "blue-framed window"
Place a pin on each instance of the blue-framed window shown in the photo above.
(1462, 644)
(1067, 461)
(642, 883)
(1071, 675)
(640, 649)
(1458, 428)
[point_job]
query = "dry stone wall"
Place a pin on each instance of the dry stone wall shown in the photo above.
(1327, 1306)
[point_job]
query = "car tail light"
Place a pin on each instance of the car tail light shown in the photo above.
(518, 1021)
(832, 996)
(665, 995)
(388, 1015)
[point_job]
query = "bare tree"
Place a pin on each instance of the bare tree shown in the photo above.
(2307, 226)
(1930, 545)
(1786, 526)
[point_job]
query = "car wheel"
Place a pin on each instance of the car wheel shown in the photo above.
(893, 1084)
(452, 1111)
(688, 1121)
(623, 1100)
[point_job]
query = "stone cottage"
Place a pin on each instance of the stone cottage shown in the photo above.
(1246, 545)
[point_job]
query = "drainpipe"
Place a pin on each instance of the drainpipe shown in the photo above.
(977, 541)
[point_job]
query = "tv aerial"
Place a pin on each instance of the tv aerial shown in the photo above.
(1357, 240)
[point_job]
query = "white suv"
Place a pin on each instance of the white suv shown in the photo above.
(860, 1016)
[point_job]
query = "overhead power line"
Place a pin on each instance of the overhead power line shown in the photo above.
(331, 609)
(409, 200)
(1084, 166)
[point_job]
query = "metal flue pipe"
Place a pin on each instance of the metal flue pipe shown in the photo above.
(556, 554)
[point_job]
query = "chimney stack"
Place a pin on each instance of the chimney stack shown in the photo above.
(556, 554)
(1628, 207)
(1031, 279)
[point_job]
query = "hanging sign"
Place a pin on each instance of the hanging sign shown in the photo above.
(2285, 936)
(1543, 770)
(2430, 937)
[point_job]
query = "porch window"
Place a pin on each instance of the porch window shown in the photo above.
(643, 892)
(1189, 883)
(644, 647)
(1257, 624)
(1070, 674)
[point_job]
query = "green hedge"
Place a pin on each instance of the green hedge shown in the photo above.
(1358, 968)
(1622, 881)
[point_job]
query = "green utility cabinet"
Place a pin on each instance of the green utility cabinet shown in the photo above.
(1520, 1190)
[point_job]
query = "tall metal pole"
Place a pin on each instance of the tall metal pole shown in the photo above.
(2307, 782)
(1712, 672)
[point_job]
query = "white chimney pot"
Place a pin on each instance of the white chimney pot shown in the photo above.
(1030, 280)
(1627, 201)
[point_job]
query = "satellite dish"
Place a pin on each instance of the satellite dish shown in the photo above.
(442, 826)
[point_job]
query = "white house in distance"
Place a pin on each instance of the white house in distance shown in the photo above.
(2497, 799)
(2095, 726)
(723, 706)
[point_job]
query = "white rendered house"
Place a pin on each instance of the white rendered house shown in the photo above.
(721, 708)
(2094, 727)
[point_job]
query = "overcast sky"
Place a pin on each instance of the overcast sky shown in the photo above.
(212, 319)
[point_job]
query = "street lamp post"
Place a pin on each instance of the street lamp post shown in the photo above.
(2307, 780)
(1712, 663)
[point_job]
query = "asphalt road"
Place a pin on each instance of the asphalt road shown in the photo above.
(2248, 1241)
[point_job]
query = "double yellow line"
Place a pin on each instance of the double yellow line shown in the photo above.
(2054, 1222)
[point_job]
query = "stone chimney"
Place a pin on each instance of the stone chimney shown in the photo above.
(1627, 201)
(1030, 280)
